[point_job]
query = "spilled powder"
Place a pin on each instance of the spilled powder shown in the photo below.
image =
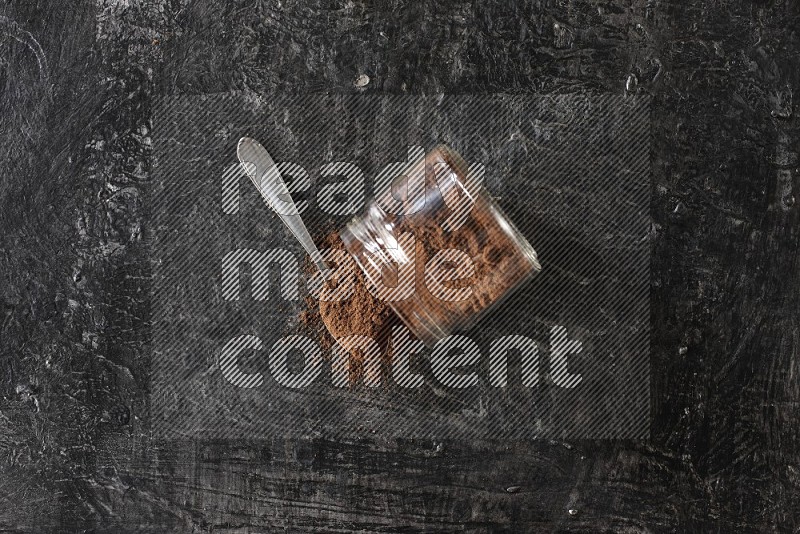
(360, 314)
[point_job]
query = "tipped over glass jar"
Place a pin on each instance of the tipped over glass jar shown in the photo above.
(436, 248)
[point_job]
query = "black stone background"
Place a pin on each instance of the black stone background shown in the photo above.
(78, 81)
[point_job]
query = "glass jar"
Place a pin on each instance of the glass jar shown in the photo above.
(436, 248)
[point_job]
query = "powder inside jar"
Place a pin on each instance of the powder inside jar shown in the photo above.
(467, 256)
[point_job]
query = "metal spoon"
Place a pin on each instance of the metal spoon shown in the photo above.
(264, 174)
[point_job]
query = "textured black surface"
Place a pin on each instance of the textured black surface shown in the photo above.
(78, 82)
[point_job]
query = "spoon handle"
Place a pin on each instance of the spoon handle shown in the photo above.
(264, 174)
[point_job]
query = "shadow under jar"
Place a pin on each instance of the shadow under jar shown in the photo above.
(436, 248)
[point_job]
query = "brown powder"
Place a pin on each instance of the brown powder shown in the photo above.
(497, 259)
(497, 264)
(361, 314)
